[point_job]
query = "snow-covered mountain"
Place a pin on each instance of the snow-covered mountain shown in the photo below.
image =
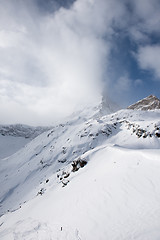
(14, 137)
(149, 103)
(92, 177)
(106, 106)
(20, 130)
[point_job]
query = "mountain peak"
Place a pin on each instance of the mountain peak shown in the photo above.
(149, 103)
(106, 106)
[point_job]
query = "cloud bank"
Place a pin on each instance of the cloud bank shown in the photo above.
(52, 63)
(55, 60)
(149, 59)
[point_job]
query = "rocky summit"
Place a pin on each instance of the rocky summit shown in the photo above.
(149, 103)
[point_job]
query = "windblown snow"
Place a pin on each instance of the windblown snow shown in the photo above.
(88, 178)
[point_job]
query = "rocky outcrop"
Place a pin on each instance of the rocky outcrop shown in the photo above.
(149, 103)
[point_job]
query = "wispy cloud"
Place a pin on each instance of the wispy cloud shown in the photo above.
(53, 61)
(123, 83)
(149, 59)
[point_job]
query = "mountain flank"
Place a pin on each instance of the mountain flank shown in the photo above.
(96, 169)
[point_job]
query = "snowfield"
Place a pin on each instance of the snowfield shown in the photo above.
(86, 179)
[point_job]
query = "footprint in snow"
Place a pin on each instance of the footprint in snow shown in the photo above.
(33, 229)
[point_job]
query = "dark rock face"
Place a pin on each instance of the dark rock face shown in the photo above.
(149, 103)
(80, 163)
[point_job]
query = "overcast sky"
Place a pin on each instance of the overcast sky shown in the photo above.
(58, 56)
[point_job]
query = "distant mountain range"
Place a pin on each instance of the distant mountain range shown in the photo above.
(21, 130)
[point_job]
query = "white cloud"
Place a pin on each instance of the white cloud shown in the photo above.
(51, 64)
(123, 83)
(138, 82)
(149, 59)
(142, 20)
(147, 14)
(138, 35)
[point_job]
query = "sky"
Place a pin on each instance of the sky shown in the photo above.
(58, 56)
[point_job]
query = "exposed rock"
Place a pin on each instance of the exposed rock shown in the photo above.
(79, 163)
(149, 103)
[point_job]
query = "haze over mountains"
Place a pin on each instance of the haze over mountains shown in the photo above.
(14, 137)
(95, 176)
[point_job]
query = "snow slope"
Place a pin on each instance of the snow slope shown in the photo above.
(116, 196)
(86, 179)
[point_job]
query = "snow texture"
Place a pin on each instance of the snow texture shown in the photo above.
(93, 177)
